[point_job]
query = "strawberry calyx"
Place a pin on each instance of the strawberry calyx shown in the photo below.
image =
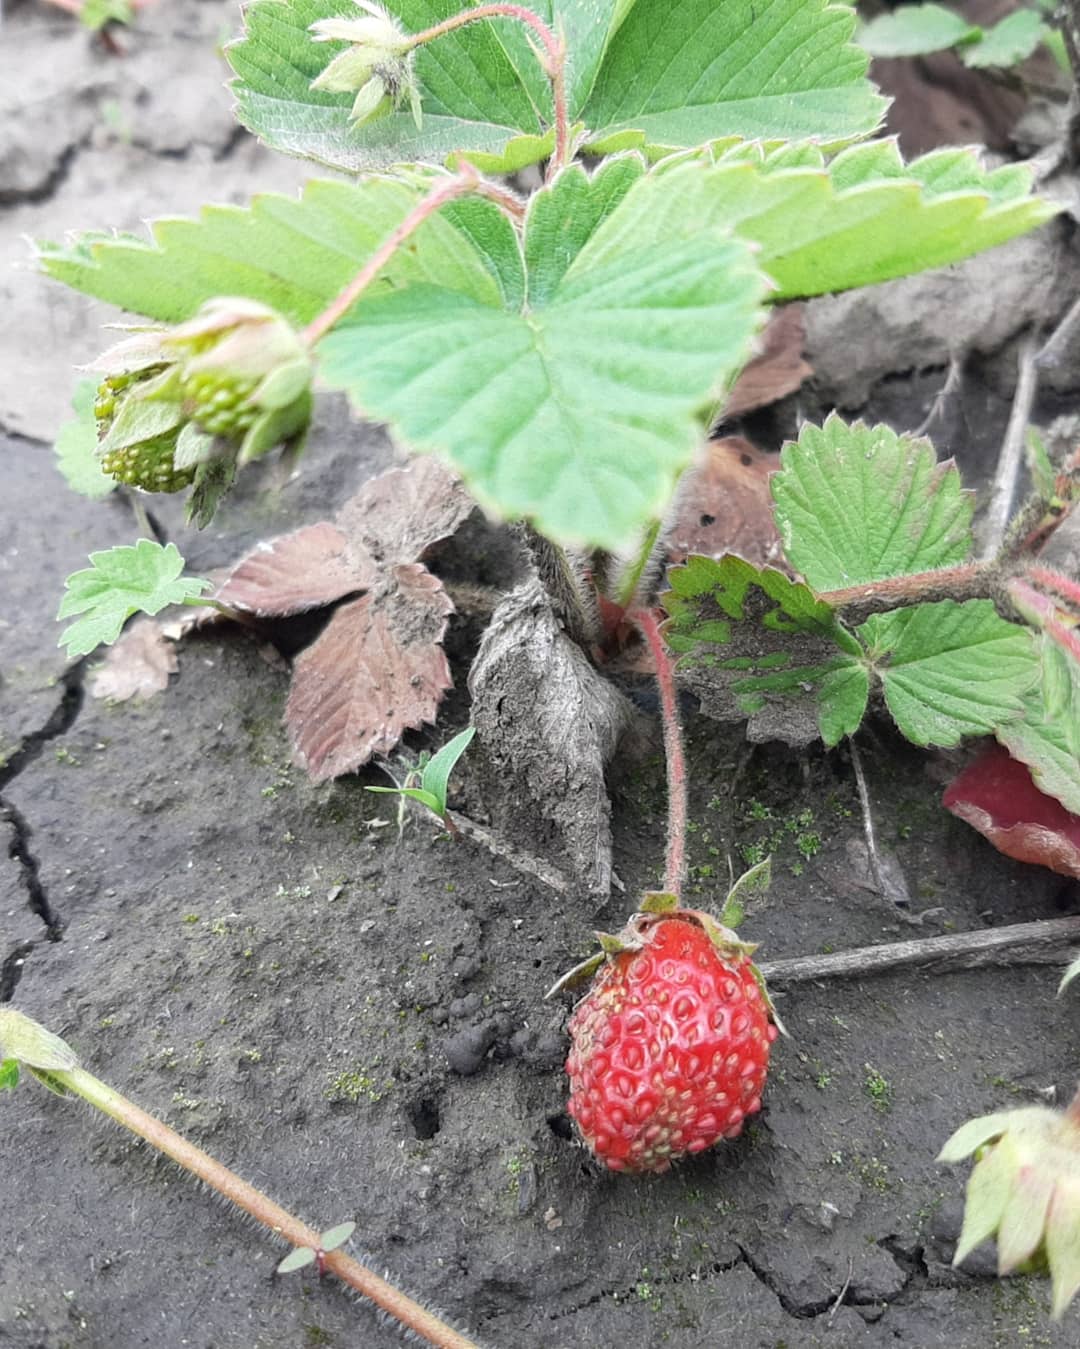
(1025, 1189)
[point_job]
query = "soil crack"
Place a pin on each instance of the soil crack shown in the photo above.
(52, 181)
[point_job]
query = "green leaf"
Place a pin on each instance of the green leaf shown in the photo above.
(756, 644)
(9, 1074)
(916, 30)
(673, 75)
(294, 255)
(120, 582)
(1047, 737)
(858, 503)
(578, 411)
(298, 1258)
(692, 71)
(1008, 42)
(1039, 464)
(866, 217)
(482, 89)
(949, 670)
(428, 799)
(76, 447)
(756, 881)
(337, 1236)
(437, 771)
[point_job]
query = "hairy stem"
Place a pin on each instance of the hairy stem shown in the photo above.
(553, 61)
(282, 1223)
(627, 594)
(972, 581)
(673, 748)
(467, 180)
(574, 605)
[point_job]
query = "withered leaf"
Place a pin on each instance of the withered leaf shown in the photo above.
(402, 513)
(547, 724)
(137, 666)
(306, 569)
(376, 671)
(777, 370)
(725, 506)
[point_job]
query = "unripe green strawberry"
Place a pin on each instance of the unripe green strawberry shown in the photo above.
(670, 1046)
(217, 401)
(149, 465)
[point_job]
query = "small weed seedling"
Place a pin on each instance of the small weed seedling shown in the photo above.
(427, 782)
(303, 1256)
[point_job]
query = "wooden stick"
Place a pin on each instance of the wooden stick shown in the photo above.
(1052, 941)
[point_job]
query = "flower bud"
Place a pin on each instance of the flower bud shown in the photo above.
(377, 65)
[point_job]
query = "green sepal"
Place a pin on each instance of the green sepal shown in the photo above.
(987, 1195)
(658, 901)
(972, 1135)
(276, 426)
(140, 419)
(49, 1080)
(213, 480)
(753, 882)
(192, 447)
(580, 974)
(9, 1074)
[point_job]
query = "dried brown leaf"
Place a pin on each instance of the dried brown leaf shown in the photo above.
(777, 370)
(547, 723)
(304, 570)
(137, 666)
(725, 505)
(376, 671)
(402, 513)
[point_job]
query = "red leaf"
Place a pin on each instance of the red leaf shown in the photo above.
(725, 505)
(777, 370)
(311, 567)
(402, 513)
(377, 670)
(997, 796)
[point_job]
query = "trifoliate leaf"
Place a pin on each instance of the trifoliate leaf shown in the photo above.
(76, 447)
(577, 412)
(120, 582)
(859, 503)
(1009, 42)
(756, 644)
(949, 670)
(674, 75)
(916, 30)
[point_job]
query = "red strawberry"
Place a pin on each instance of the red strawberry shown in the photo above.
(671, 1043)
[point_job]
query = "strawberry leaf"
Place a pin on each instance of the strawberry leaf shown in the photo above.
(673, 75)
(949, 670)
(137, 666)
(76, 447)
(306, 569)
(376, 670)
(118, 583)
(1047, 737)
(294, 255)
(756, 644)
(996, 795)
(916, 30)
(858, 503)
(1008, 42)
(579, 412)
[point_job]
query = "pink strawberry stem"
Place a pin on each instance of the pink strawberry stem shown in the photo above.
(971, 581)
(467, 180)
(553, 61)
(1054, 581)
(673, 748)
(282, 1223)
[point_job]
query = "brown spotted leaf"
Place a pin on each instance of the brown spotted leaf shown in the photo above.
(725, 505)
(376, 671)
(777, 370)
(304, 570)
(399, 515)
(137, 666)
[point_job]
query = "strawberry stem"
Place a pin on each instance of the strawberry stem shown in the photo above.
(673, 748)
(972, 581)
(552, 61)
(282, 1223)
